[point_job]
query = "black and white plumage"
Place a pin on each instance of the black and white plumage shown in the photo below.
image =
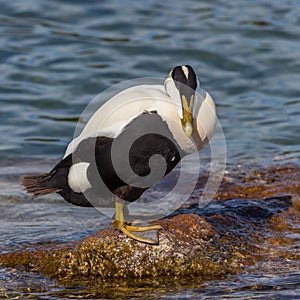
(170, 120)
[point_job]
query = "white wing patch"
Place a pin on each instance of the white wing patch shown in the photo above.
(77, 177)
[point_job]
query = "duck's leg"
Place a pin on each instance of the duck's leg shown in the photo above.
(121, 225)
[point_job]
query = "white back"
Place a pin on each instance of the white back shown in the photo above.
(110, 119)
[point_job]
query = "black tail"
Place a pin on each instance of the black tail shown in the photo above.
(38, 184)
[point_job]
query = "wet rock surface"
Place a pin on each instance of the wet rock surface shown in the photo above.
(255, 217)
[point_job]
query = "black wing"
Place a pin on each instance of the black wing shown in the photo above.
(128, 154)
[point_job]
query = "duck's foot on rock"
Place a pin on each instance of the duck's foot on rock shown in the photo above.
(145, 234)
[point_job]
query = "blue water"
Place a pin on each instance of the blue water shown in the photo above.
(55, 56)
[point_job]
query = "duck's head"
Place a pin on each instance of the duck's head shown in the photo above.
(181, 86)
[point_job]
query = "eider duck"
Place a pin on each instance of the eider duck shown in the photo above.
(137, 137)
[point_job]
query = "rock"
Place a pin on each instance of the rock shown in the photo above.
(183, 250)
(204, 244)
(229, 234)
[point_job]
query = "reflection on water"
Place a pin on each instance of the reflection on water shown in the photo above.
(55, 56)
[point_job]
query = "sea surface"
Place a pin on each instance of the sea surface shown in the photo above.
(56, 56)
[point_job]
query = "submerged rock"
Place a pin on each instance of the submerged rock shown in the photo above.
(222, 238)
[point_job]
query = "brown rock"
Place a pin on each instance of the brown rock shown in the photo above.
(221, 238)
